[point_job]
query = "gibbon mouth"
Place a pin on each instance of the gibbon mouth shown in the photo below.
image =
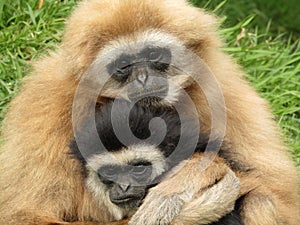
(149, 97)
(162, 93)
(127, 202)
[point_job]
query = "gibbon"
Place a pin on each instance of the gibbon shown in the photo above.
(119, 176)
(140, 48)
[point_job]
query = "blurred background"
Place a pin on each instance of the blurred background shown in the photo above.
(283, 15)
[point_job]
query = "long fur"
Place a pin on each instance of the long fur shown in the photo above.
(139, 119)
(113, 152)
(40, 184)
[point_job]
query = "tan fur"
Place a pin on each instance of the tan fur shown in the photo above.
(41, 185)
(198, 199)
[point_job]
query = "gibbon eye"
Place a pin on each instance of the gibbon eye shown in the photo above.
(122, 64)
(108, 172)
(155, 55)
(122, 74)
(121, 68)
(139, 170)
(158, 58)
(162, 67)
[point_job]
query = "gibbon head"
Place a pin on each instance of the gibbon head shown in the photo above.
(120, 175)
(139, 50)
(148, 70)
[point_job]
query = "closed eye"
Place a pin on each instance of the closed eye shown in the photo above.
(139, 170)
(155, 55)
(108, 172)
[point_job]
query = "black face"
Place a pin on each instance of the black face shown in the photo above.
(145, 73)
(127, 184)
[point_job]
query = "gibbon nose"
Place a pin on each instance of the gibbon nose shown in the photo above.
(123, 187)
(148, 86)
(142, 80)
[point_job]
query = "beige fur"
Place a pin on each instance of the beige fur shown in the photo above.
(198, 199)
(41, 185)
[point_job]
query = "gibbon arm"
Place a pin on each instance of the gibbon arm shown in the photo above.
(191, 196)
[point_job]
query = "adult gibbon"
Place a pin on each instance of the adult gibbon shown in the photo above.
(120, 176)
(140, 43)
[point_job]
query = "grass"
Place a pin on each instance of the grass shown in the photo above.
(269, 50)
(25, 33)
(273, 67)
(284, 14)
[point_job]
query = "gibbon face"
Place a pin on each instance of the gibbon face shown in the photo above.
(120, 175)
(150, 70)
(122, 178)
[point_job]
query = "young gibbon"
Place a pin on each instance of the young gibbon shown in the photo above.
(120, 176)
(140, 48)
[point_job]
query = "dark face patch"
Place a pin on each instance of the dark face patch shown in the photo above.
(144, 73)
(127, 184)
(159, 58)
(156, 58)
(121, 69)
(139, 173)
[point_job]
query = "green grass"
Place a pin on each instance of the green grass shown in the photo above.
(25, 33)
(273, 67)
(261, 35)
(284, 14)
